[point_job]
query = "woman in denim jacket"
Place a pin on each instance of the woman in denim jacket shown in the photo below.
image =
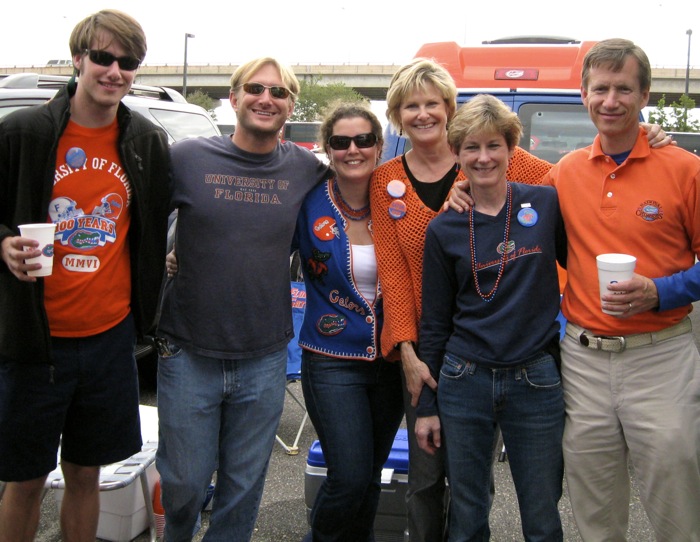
(352, 394)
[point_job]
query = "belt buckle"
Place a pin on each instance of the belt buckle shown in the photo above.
(597, 344)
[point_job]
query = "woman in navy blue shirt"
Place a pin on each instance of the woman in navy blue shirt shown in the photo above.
(489, 331)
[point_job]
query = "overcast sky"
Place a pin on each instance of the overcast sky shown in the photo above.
(360, 31)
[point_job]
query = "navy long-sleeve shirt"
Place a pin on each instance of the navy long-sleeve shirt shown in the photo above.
(520, 320)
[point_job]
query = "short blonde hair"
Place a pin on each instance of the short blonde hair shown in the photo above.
(484, 114)
(245, 71)
(418, 75)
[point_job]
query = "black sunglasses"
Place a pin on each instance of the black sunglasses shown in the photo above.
(257, 89)
(103, 58)
(342, 143)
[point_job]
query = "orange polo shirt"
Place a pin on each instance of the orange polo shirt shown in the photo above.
(649, 206)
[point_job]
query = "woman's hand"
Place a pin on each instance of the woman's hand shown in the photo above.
(656, 136)
(459, 199)
(428, 434)
(416, 372)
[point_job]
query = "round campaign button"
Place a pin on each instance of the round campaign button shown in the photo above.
(527, 217)
(75, 157)
(397, 209)
(396, 188)
(325, 228)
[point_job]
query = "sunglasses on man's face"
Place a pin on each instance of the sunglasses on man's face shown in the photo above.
(256, 89)
(103, 58)
(342, 143)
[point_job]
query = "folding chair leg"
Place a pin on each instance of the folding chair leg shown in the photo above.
(294, 448)
(290, 450)
(301, 429)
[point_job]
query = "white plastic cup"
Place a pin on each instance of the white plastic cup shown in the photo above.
(613, 268)
(44, 234)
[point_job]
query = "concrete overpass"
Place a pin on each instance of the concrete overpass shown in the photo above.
(367, 79)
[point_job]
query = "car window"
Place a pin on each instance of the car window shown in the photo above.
(689, 141)
(180, 124)
(552, 130)
(7, 107)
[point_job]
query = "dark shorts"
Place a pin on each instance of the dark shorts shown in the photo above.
(87, 400)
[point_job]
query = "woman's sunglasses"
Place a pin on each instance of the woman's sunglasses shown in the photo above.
(103, 58)
(342, 143)
(256, 89)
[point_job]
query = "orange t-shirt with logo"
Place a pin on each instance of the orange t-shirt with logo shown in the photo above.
(89, 290)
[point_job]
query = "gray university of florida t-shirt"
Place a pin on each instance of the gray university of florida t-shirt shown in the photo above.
(236, 216)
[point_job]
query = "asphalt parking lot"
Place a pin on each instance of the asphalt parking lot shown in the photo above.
(283, 513)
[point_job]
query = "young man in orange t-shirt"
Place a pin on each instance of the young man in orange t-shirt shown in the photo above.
(97, 171)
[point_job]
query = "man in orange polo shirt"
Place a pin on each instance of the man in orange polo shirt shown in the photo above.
(631, 380)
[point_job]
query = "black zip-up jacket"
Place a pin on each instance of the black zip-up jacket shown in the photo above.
(28, 144)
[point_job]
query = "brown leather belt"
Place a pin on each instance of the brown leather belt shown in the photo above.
(620, 344)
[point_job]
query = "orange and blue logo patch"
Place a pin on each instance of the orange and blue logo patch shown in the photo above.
(650, 211)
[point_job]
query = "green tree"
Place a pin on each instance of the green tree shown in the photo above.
(314, 98)
(675, 120)
(203, 99)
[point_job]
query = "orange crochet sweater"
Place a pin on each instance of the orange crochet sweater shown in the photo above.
(399, 243)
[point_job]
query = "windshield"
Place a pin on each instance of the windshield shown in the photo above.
(181, 125)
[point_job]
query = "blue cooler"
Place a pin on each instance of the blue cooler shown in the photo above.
(390, 522)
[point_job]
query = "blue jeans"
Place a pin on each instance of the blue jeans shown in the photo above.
(356, 409)
(216, 415)
(527, 403)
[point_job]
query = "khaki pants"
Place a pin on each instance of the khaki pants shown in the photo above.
(641, 405)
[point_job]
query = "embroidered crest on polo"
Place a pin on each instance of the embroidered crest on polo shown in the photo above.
(76, 157)
(527, 216)
(397, 209)
(396, 188)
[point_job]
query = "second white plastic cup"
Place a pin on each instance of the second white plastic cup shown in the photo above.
(613, 268)
(44, 233)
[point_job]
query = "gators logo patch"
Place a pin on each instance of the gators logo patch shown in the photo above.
(331, 324)
(502, 247)
(650, 211)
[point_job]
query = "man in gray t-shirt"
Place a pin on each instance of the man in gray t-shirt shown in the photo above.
(226, 314)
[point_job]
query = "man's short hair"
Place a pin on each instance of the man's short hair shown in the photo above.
(245, 71)
(612, 54)
(122, 27)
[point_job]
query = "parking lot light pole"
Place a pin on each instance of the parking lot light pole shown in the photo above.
(687, 66)
(184, 68)
(689, 32)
